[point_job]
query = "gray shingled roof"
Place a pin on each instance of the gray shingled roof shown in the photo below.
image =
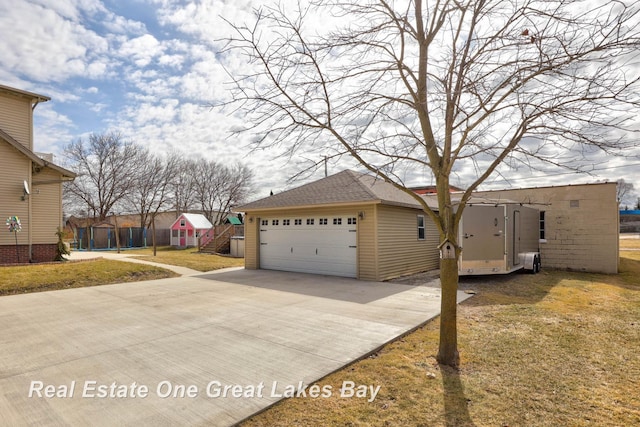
(344, 187)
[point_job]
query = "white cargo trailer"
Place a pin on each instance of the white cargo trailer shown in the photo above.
(499, 238)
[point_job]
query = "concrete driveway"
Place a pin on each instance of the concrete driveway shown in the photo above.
(161, 352)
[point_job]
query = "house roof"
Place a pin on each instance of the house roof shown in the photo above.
(31, 95)
(198, 221)
(346, 187)
(33, 156)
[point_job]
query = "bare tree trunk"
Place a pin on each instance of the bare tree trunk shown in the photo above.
(448, 348)
(115, 220)
(153, 233)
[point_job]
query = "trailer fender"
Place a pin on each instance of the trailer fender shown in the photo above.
(531, 261)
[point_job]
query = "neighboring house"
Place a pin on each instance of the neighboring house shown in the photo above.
(579, 224)
(30, 184)
(348, 224)
(186, 230)
(354, 225)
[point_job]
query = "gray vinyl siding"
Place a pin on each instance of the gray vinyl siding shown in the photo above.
(400, 252)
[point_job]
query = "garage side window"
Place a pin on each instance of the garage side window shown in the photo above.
(421, 230)
(542, 227)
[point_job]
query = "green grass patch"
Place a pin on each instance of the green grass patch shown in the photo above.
(189, 258)
(557, 348)
(47, 277)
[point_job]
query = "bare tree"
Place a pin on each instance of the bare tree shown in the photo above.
(209, 180)
(182, 184)
(150, 193)
(624, 190)
(106, 166)
(151, 190)
(235, 189)
(443, 87)
(218, 188)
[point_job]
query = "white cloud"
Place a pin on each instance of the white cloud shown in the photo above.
(141, 50)
(50, 45)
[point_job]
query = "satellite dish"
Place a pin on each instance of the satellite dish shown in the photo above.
(26, 187)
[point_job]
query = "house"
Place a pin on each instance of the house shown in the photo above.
(186, 230)
(30, 184)
(354, 225)
(348, 224)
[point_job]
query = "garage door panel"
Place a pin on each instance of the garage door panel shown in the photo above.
(318, 248)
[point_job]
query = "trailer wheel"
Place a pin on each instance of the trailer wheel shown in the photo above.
(536, 265)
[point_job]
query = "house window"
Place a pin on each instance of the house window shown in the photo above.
(297, 222)
(183, 222)
(421, 230)
(337, 221)
(351, 221)
(322, 221)
(286, 222)
(265, 222)
(310, 221)
(542, 226)
(275, 222)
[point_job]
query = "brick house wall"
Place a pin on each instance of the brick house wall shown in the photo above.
(41, 253)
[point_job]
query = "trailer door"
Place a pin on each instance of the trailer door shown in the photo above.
(483, 233)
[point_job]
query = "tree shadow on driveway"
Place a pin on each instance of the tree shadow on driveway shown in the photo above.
(332, 287)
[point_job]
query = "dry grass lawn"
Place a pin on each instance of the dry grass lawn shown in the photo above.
(48, 277)
(189, 258)
(553, 349)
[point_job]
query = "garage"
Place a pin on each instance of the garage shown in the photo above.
(310, 244)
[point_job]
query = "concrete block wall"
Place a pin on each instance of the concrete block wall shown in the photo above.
(581, 225)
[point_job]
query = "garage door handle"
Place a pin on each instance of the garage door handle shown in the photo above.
(353, 246)
(262, 244)
(291, 250)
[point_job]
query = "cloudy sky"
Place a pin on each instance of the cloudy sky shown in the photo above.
(149, 69)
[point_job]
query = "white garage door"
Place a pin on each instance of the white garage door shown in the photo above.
(318, 245)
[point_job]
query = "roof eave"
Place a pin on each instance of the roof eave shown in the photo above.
(247, 208)
(31, 95)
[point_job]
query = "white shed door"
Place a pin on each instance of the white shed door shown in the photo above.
(305, 244)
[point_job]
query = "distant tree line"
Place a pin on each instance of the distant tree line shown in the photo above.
(119, 176)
